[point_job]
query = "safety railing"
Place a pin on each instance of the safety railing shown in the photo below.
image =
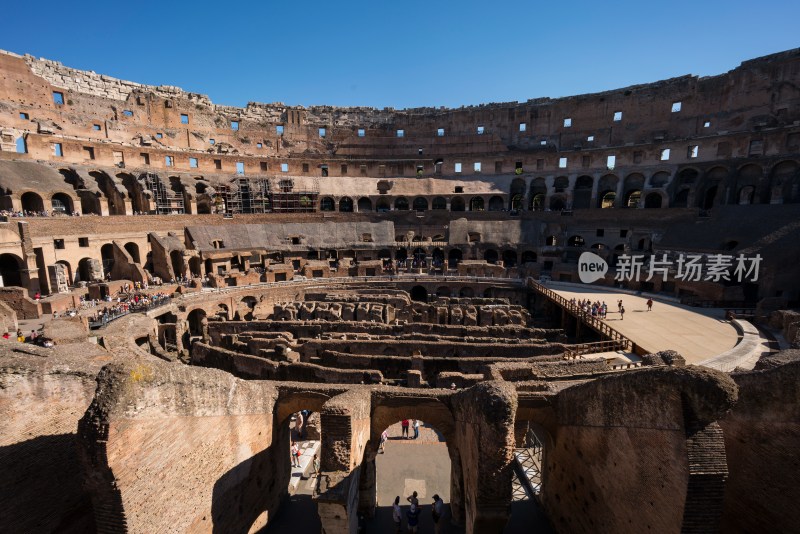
(579, 349)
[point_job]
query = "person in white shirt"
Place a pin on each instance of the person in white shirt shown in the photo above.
(397, 514)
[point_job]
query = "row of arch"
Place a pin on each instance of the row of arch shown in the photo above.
(364, 204)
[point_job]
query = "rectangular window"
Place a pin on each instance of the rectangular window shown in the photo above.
(600, 232)
(234, 125)
(259, 145)
(676, 107)
(523, 127)
(476, 166)
(83, 241)
(611, 162)
(279, 129)
(440, 132)
(459, 189)
(637, 156)
(305, 167)
(184, 118)
(58, 98)
(590, 138)
(543, 142)
(96, 127)
(664, 154)
(756, 148)
(89, 152)
(562, 163)
(481, 129)
(692, 151)
(617, 116)
(567, 123)
(159, 136)
(145, 158)
(119, 159)
(263, 166)
(218, 164)
(58, 244)
(401, 133)
(58, 150)
(239, 167)
(193, 163)
(168, 161)
(284, 167)
(362, 132)
(212, 141)
(322, 132)
(457, 167)
(623, 233)
(344, 170)
(362, 169)
(586, 161)
(23, 116)
(127, 113)
(539, 164)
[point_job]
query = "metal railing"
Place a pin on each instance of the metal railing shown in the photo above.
(108, 317)
(579, 349)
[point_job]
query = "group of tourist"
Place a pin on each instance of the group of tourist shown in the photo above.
(595, 309)
(20, 336)
(405, 425)
(413, 513)
(43, 213)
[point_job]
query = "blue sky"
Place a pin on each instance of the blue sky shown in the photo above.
(400, 54)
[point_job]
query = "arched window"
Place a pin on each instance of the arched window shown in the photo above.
(326, 204)
(346, 205)
(401, 204)
(476, 204)
(420, 204)
(439, 203)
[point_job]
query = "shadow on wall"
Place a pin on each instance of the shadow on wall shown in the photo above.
(41, 487)
(249, 495)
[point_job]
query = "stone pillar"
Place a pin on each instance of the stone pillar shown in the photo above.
(102, 202)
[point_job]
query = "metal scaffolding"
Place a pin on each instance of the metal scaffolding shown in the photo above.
(165, 200)
(264, 195)
(285, 198)
(246, 195)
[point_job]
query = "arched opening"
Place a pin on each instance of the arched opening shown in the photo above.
(632, 198)
(437, 257)
(582, 194)
(401, 204)
(22, 145)
(443, 291)
(420, 204)
(509, 258)
(490, 256)
(383, 205)
(419, 257)
(327, 204)
(176, 260)
(708, 198)
(364, 204)
(419, 294)
(517, 202)
(222, 313)
(116, 199)
(466, 292)
(746, 195)
(133, 249)
(517, 190)
(681, 199)
(608, 199)
(537, 202)
(88, 270)
(453, 258)
(10, 270)
(457, 204)
(576, 241)
(346, 205)
(401, 254)
(496, 204)
(551, 241)
(439, 203)
(62, 204)
(197, 322)
(68, 270)
(557, 203)
(660, 179)
(244, 311)
(196, 266)
(32, 203)
(652, 200)
(528, 256)
(476, 204)
(107, 255)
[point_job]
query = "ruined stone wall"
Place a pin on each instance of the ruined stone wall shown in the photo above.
(205, 438)
(762, 437)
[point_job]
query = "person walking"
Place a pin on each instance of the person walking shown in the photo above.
(404, 426)
(649, 304)
(437, 510)
(397, 514)
(384, 437)
(295, 453)
(416, 428)
(622, 313)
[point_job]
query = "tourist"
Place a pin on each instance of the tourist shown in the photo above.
(298, 424)
(437, 511)
(404, 426)
(649, 304)
(6, 335)
(413, 499)
(397, 514)
(413, 517)
(416, 428)
(295, 454)
(316, 465)
(33, 335)
(384, 437)
(619, 304)
(621, 313)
